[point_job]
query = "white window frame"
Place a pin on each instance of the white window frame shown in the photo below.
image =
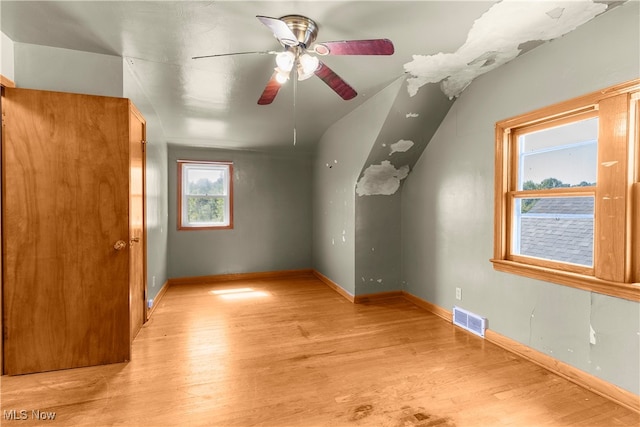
(184, 166)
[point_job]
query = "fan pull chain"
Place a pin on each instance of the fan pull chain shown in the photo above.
(295, 95)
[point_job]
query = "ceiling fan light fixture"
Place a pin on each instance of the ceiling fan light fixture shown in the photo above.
(309, 63)
(302, 75)
(282, 75)
(297, 34)
(285, 60)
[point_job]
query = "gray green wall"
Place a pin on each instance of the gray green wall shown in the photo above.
(6, 56)
(272, 216)
(447, 206)
(157, 215)
(156, 185)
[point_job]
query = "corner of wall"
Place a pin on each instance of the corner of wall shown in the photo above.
(340, 156)
(65, 70)
(407, 130)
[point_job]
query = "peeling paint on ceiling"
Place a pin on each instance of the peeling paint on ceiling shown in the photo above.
(496, 38)
(383, 179)
(401, 146)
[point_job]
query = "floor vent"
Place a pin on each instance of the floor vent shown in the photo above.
(469, 321)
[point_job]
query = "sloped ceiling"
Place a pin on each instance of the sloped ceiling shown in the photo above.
(213, 102)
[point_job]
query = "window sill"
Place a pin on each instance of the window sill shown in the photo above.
(629, 291)
(220, 227)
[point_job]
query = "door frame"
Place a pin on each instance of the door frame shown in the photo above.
(4, 82)
(134, 110)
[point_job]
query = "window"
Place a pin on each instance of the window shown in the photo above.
(567, 206)
(555, 178)
(205, 195)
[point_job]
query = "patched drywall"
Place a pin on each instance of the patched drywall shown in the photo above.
(401, 146)
(377, 244)
(496, 38)
(383, 179)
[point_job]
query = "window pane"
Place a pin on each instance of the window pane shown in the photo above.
(205, 181)
(563, 156)
(555, 228)
(205, 210)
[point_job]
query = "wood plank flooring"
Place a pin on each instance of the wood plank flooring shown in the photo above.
(292, 352)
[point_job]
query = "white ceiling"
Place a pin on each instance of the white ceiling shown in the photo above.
(213, 102)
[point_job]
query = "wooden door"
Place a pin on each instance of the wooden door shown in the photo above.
(65, 202)
(137, 240)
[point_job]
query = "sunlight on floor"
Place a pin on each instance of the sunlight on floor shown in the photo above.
(239, 293)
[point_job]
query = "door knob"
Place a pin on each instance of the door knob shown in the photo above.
(120, 245)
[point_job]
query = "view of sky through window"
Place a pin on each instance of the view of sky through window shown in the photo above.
(567, 153)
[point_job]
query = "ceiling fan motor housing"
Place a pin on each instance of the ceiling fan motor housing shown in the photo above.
(305, 29)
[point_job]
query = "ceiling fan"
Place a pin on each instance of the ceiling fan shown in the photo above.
(297, 33)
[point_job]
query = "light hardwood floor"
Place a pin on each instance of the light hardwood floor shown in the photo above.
(292, 352)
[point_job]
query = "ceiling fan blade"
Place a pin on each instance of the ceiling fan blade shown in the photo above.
(335, 82)
(265, 52)
(355, 47)
(280, 30)
(270, 91)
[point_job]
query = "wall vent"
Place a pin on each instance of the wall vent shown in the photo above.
(469, 321)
